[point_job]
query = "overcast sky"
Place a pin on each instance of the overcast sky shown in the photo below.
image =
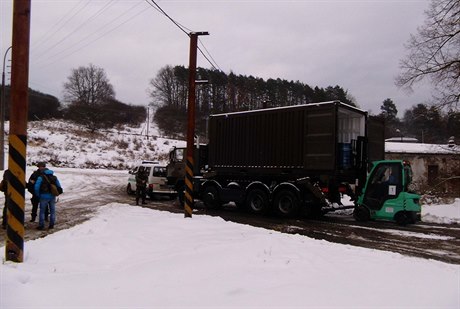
(354, 44)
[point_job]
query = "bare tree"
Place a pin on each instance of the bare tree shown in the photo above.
(169, 87)
(434, 53)
(88, 86)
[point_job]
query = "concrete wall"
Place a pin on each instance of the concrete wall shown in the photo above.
(433, 173)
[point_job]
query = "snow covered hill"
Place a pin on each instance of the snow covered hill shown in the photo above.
(65, 144)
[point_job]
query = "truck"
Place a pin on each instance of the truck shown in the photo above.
(298, 160)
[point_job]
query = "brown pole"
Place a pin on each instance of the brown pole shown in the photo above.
(14, 249)
(188, 206)
(2, 115)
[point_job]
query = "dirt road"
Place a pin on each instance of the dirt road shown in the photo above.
(431, 241)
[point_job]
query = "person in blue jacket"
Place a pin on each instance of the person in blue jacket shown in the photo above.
(43, 191)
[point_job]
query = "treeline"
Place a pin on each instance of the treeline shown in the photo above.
(428, 124)
(104, 115)
(230, 92)
(227, 93)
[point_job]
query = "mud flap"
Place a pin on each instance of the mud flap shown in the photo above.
(317, 193)
(313, 189)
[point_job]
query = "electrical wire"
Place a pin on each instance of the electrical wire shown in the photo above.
(214, 64)
(182, 28)
(65, 19)
(158, 8)
(72, 49)
(79, 27)
(103, 34)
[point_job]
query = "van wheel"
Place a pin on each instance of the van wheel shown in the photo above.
(257, 201)
(361, 214)
(129, 190)
(286, 203)
(172, 196)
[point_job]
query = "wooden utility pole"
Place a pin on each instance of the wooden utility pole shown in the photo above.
(188, 206)
(14, 249)
(2, 115)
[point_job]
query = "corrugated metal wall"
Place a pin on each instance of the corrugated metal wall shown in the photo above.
(300, 137)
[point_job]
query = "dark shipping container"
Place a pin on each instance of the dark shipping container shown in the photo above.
(311, 139)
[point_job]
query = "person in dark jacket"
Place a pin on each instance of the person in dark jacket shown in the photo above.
(141, 185)
(41, 167)
(43, 191)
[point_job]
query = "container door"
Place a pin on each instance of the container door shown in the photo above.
(320, 138)
(376, 139)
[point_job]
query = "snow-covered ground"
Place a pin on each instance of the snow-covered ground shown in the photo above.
(132, 257)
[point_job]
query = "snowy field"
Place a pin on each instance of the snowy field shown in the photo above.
(132, 257)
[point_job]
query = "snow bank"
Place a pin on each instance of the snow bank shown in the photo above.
(131, 257)
(445, 213)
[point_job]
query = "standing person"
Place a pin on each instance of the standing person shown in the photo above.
(141, 185)
(41, 167)
(43, 191)
(4, 189)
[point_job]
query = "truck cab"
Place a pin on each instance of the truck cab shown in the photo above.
(386, 195)
(175, 170)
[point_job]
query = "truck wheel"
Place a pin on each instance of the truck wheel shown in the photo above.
(286, 203)
(257, 201)
(211, 197)
(129, 190)
(361, 214)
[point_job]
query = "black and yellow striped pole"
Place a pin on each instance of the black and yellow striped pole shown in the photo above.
(188, 205)
(14, 249)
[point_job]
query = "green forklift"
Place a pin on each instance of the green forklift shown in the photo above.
(387, 196)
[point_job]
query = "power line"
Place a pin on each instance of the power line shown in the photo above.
(65, 19)
(117, 18)
(181, 27)
(209, 56)
(68, 35)
(158, 8)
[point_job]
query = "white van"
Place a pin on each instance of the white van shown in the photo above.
(157, 182)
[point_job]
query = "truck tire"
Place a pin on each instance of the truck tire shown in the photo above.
(257, 201)
(286, 203)
(361, 214)
(172, 196)
(211, 197)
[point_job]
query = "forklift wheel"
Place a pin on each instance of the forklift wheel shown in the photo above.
(403, 218)
(361, 214)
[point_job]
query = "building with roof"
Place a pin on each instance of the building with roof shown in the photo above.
(436, 167)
